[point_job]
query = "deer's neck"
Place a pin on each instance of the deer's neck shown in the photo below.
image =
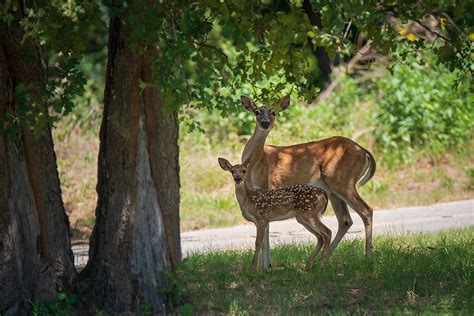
(253, 150)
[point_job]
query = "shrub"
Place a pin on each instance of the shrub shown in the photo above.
(421, 106)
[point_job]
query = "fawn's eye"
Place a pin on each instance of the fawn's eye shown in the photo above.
(243, 171)
(257, 112)
(273, 113)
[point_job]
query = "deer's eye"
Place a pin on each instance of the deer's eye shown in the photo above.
(243, 171)
(273, 113)
(257, 112)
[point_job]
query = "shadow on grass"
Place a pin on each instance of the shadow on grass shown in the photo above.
(417, 273)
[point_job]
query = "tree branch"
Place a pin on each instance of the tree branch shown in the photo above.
(204, 45)
(431, 31)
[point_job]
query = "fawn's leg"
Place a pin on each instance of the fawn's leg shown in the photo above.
(314, 253)
(303, 221)
(324, 232)
(266, 261)
(261, 227)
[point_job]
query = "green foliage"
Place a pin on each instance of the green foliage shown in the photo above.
(28, 113)
(207, 52)
(64, 304)
(211, 51)
(174, 290)
(333, 116)
(90, 221)
(146, 309)
(420, 106)
(62, 30)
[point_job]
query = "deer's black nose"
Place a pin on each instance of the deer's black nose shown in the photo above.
(238, 180)
(265, 124)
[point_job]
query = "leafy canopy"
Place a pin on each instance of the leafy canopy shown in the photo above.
(212, 50)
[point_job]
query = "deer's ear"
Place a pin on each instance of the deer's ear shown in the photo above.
(247, 103)
(225, 164)
(284, 103)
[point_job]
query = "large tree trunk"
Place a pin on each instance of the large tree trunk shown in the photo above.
(35, 257)
(136, 236)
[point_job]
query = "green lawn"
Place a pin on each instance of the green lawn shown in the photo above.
(423, 273)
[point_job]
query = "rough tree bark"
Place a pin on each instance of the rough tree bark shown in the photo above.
(136, 236)
(35, 257)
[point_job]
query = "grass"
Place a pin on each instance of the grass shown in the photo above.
(423, 273)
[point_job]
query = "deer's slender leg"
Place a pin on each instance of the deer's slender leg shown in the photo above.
(344, 220)
(261, 227)
(266, 261)
(366, 213)
(348, 194)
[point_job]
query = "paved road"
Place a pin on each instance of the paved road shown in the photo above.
(396, 221)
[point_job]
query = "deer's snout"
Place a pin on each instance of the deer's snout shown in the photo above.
(237, 179)
(265, 124)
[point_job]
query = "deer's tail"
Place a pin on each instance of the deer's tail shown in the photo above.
(369, 173)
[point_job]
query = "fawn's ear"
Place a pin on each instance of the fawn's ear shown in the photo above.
(225, 164)
(248, 103)
(284, 103)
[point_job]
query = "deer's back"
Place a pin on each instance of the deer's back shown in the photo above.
(335, 157)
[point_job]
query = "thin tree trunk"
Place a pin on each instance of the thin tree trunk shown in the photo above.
(136, 236)
(324, 62)
(35, 257)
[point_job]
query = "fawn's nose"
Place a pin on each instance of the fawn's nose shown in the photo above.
(265, 124)
(238, 180)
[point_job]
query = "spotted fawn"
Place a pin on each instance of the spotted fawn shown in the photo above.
(261, 206)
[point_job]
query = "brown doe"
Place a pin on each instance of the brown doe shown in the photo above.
(334, 164)
(261, 206)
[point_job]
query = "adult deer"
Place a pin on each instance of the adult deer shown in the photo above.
(261, 206)
(334, 164)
